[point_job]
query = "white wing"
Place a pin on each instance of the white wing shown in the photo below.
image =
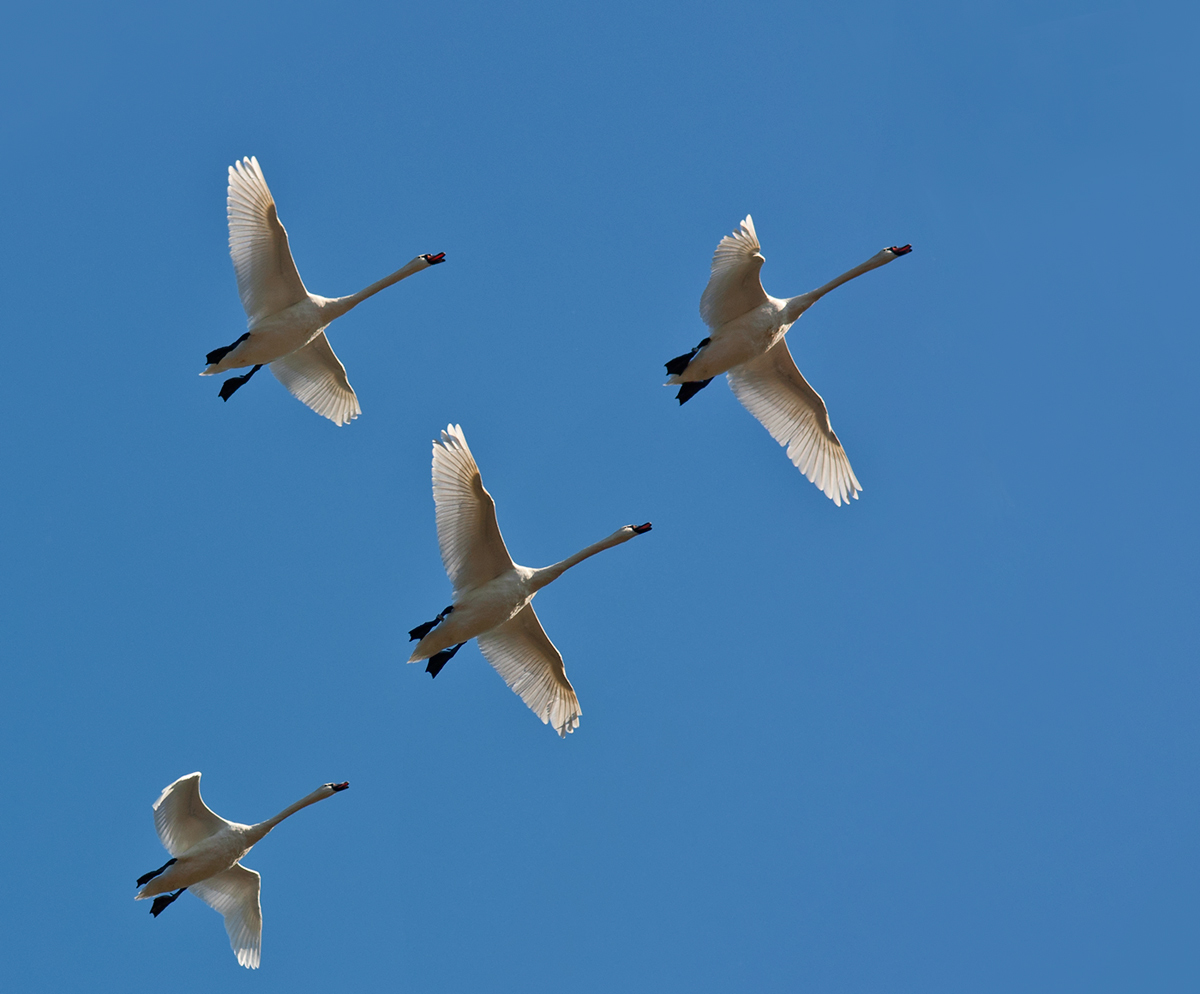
(266, 275)
(772, 389)
(182, 818)
(316, 377)
(733, 287)
(473, 551)
(522, 653)
(234, 894)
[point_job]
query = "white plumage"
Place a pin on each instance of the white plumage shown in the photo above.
(286, 323)
(492, 594)
(206, 851)
(747, 342)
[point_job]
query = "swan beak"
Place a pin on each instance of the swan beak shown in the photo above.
(340, 786)
(640, 529)
(900, 249)
(433, 260)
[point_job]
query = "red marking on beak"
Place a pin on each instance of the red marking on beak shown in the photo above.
(641, 529)
(900, 249)
(433, 260)
(341, 786)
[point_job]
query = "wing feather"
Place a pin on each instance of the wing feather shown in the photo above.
(473, 550)
(233, 893)
(523, 654)
(734, 287)
(266, 274)
(316, 377)
(773, 390)
(181, 817)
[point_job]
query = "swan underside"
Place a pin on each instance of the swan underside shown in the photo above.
(164, 900)
(418, 633)
(145, 878)
(216, 355)
(440, 659)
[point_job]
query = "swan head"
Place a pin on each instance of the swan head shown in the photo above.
(433, 260)
(639, 529)
(333, 788)
(900, 249)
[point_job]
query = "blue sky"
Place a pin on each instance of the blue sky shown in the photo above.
(941, 740)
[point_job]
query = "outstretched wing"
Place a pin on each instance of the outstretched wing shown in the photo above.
(316, 377)
(523, 654)
(234, 894)
(182, 818)
(473, 551)
(734, 287)
(266, 275)
(772, 389)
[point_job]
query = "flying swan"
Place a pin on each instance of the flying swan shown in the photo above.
(206, 851)
(492, 594)
(747, 343)
(286, 323)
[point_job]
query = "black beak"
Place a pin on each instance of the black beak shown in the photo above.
(433, 260)
(641, 529)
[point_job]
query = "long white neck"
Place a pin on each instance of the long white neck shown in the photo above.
(550, 573)
(798, 305)
(263, 827)
(340, 305)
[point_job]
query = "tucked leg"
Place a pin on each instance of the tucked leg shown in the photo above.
(234, 382)
(163, 901)
(680, 362)
(216, 355)
(689, 390)
(437, 661)
(145, 878)
(418, 633)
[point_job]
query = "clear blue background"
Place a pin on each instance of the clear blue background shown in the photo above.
(942, 740)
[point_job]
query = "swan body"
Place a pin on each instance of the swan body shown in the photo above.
(492, 594)
(746, 341)
(285, 323)
(206, 850)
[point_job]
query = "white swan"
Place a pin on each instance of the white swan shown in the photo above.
(492, 594)
(286, 322)
(747, 342)
(205, 852)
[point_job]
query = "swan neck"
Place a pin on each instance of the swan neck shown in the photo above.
(548, 574)
(802, 303)
(340, 305)
(263, 827)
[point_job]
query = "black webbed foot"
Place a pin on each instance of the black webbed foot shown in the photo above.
(437, 661)
(689, 390)
(163, 901)
(418, 633)
(145, 878)
(234, 382)
(677, 365)
(216, 355)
